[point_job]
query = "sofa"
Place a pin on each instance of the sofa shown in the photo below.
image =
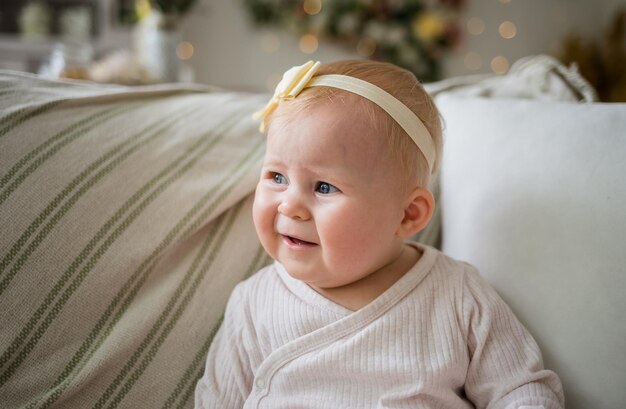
(126, 222)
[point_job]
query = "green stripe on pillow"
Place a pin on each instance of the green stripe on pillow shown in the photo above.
(22, 115)
(67, 135)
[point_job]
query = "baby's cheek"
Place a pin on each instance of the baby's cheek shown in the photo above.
(258, 209)
(342, 232)
(263, 215)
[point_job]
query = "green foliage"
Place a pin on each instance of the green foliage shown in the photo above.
(172, 7)
(413, 34)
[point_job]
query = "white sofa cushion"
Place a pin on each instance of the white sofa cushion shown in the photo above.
(534, 195)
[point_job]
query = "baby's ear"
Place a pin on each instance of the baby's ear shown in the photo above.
(417, 213)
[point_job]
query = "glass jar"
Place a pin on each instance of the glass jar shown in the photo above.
(68, 60)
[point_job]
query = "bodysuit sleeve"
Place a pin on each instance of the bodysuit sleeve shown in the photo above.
(506, 368)
(227, 378)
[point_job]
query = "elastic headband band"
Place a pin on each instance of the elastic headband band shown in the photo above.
(411, 124)
(300, 77)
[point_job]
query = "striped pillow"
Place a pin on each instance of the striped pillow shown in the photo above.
(125, 217)
(126, 222)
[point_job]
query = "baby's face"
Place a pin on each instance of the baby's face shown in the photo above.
(329, 200)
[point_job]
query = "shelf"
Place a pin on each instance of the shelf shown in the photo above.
(18, 52)
(27, 54)
(25, 47)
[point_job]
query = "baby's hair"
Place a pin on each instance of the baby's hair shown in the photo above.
(400, 83)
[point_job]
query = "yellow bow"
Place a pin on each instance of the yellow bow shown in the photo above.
(293, 82)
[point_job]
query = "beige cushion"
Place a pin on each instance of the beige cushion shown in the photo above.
(533, 194)
(125, 217)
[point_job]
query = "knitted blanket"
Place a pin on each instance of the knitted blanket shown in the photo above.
(126, 222)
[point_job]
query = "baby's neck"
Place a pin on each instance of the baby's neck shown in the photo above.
(358, 294)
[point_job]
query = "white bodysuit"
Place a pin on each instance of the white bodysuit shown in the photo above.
(440, 337)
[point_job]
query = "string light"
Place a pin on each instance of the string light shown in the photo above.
(475, 26)
(473, 61)
(184, 50)
(500, 65)
(308, 43)
(312, 7)
(507, 30)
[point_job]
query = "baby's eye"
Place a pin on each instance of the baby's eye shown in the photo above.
(325, 188)
(279, 179)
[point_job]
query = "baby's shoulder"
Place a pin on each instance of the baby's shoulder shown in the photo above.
(257, 286)
(472, 287)
(460, 277)
(452, 270)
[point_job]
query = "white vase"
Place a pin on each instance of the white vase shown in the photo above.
(156, 39)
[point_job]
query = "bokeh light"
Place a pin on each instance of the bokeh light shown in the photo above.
(184, 50)
(473, 61)
(312, 7)
(507, 30)
(500, 65)
(475, 26)
(308, 43)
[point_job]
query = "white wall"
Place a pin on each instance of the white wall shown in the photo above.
(228, 50)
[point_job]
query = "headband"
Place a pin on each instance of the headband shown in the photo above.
(300, 77)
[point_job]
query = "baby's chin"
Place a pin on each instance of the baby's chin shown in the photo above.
(315, 278)
(300, 269)
(299, 273)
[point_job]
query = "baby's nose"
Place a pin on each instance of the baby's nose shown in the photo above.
(293, 206)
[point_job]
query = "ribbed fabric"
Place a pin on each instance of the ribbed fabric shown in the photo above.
(440, 337)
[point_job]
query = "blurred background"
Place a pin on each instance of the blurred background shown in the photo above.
(247, 44)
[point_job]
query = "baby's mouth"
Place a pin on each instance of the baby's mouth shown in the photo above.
(299, 242)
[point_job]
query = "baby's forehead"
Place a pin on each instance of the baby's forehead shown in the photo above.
(329, 132)
(346, 113)
(347, 123)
